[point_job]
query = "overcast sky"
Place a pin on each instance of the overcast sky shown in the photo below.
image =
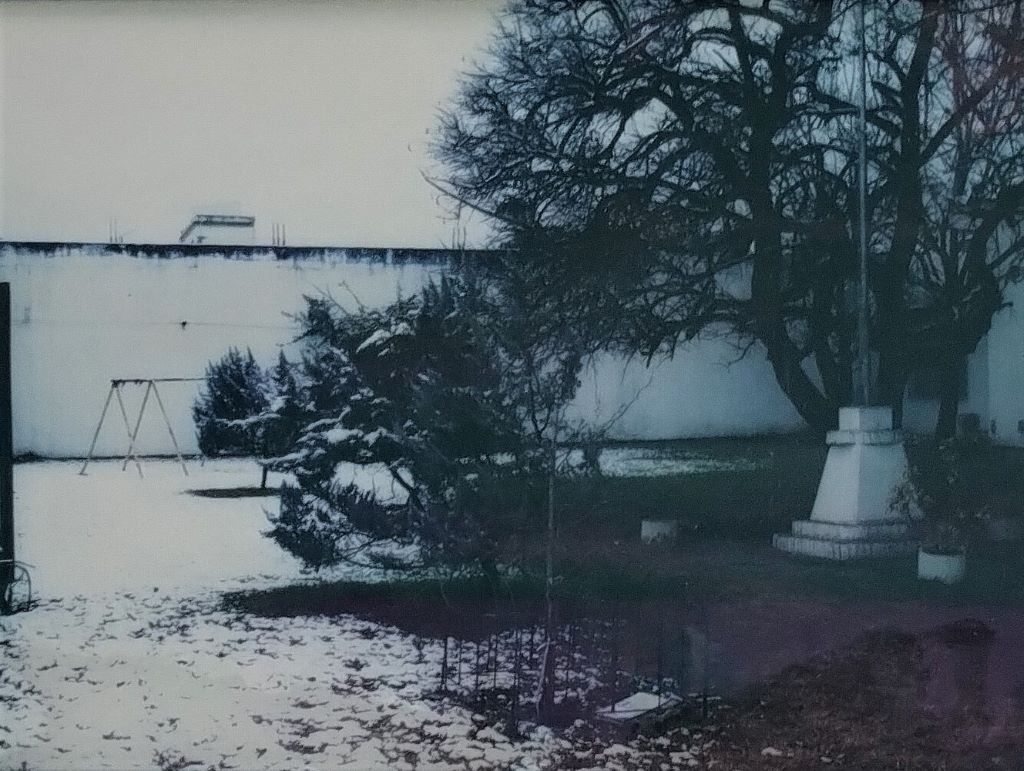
(314, 114)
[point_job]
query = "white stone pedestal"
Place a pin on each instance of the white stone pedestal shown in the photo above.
(853, 514)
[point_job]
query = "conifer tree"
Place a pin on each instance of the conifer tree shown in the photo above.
(281, 424)
(431, 399)
(229, 412)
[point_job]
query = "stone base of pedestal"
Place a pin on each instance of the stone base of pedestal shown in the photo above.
(853, 516)
(843, 541)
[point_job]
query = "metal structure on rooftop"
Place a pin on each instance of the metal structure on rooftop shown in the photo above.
(200, 221)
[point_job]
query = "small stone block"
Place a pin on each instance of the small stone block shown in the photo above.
(865, 418)
(659, 530)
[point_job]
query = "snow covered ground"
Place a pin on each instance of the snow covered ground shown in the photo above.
(654, 461)
(129, 662)
(111, 531)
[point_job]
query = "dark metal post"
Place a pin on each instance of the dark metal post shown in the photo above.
(6, 449)
(458, 661)
(444, 666)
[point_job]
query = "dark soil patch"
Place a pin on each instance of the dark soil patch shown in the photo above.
(945, 691)
(467, 609)
(236, 492)
(894, 700)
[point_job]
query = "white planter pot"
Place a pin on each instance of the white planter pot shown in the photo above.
(659, 530)
(947, 568)
(1005, 528)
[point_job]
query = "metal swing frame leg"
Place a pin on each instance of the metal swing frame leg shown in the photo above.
(114, 392)
(138, 422)
(96, 433)
(170, 431)
(127, 427)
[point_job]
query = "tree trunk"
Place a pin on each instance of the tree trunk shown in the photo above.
(546, 684)
(814, 407)
(949, 401)
(767, 282)
(819, 413)
(897, 406)
(891, 382)
(831, 340)
(263, 480)
(836, 375)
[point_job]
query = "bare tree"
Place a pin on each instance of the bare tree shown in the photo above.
(674, 169)
(972, 169)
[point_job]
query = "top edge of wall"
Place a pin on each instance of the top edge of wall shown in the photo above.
(400, 255)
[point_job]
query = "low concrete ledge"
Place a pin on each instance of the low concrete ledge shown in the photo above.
(858, 436)
(845, 531)
(843, 550)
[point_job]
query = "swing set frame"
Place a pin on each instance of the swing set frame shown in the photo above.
(115, 393)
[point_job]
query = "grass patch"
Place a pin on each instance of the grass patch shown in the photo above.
(723, 571)
(757, 487)
(728, 514)
(754, 488)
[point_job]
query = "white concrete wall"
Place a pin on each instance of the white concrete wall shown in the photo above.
(995, 379)
(1004, 358)
(702, 391)
(921, 415)
(83, 316)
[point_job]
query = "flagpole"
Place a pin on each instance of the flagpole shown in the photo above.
(853, 514)
(862, 397)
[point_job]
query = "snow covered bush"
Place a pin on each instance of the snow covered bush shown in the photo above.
(442, 405)
(235, 392)
(282, 422)
(244, 410)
